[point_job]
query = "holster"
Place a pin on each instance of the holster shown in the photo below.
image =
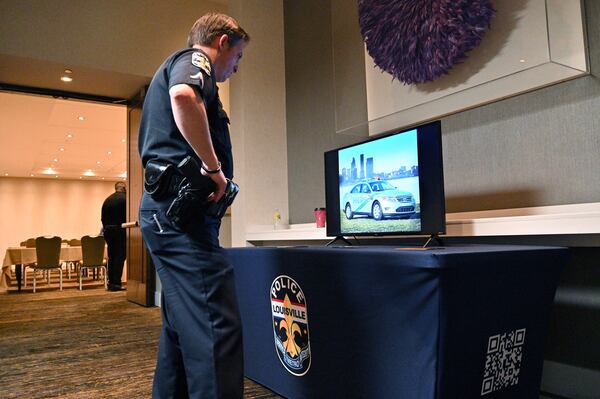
(161, 179)
(192, 196)
(218, 209)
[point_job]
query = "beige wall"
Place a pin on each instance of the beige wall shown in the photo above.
(258, 118)
(34, 207)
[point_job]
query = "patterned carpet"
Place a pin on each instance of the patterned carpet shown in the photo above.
(80, 344)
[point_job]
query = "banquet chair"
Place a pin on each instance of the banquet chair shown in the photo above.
(92, 251)
(30, 243)
(47, 251)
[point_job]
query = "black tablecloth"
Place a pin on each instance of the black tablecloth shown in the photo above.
(381, 322)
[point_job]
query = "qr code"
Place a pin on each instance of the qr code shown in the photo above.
(503, 361)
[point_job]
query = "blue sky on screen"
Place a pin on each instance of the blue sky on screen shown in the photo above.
(389, 153)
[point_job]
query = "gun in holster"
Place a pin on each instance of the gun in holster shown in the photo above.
(192, 188)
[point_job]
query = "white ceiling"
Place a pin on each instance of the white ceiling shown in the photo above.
(33, 129)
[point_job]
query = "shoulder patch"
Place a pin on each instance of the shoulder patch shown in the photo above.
(201, 61)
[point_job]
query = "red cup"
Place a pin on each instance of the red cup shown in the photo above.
(320, 216)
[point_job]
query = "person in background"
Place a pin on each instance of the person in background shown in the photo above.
(200, 348)
(113, 215)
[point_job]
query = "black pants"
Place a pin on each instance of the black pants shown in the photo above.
(200, 349)
(115, 242)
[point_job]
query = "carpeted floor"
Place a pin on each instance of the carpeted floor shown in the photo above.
(80, 344)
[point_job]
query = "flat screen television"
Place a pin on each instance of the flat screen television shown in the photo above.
(388, 185)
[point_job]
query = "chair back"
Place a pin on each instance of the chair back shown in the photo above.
(30, 243)
(74, 242)
(92, 250)
(47, 250)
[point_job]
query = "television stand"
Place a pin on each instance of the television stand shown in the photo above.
(437, 241)
(339, 238)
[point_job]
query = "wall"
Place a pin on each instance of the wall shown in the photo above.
(35, 207)
(310, 104)
(258, 114)
(540, 148)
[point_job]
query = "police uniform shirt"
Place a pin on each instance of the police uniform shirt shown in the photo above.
(159, 137)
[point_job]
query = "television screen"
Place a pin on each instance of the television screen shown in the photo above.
(387, 185)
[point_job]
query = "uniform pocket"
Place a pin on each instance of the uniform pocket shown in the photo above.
(149, 220)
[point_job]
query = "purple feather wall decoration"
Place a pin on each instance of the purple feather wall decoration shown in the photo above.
(417, 41)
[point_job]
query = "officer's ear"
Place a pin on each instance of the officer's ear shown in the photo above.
(223, 42)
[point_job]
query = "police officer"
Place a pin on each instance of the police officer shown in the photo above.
(200, 348)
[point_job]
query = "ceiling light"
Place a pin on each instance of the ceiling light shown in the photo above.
(61, 149)
(31, 175)
(80, 118)
(56, 176)
(49, 171)
(521, 60)
(6, 174)
(67, 76)
(98, 162)
(103, 178)
(122, 140)
(80, 177)
(55, 159)
(89, 173)
(110, 153)
(69, 136)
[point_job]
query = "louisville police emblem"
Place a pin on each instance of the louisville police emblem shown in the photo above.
(201, 61)
(290, 325)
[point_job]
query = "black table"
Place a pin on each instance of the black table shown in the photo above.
(381, 322)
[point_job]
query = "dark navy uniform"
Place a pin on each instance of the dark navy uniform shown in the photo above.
(200, 349)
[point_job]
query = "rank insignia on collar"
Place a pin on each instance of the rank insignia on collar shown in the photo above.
(201, 61)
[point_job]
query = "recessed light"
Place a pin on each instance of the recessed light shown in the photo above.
(80, 118)
(55, 159)
(80, 177)
(89, 173)
(49, 171)
(6, 174)
(103, 178)
(61, 149)
(56, 176)
(69, 136)
(110, 153)
(122, 140)
(98, 162)
(521, 60)
(67, 76)
(31, 175)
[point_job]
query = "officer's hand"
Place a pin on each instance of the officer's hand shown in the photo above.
(221, 181)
